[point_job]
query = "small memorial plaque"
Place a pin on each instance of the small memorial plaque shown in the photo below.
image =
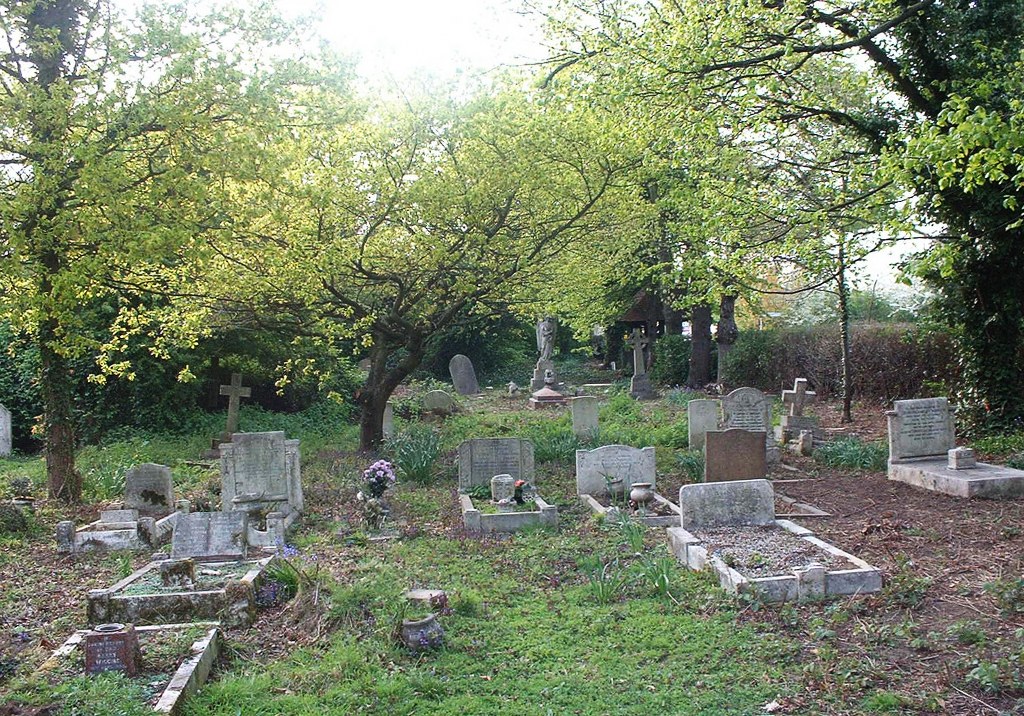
(112, 647)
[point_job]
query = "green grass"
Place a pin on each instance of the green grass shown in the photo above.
(852, 453)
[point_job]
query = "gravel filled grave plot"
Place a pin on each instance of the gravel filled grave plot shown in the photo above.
(766, 551)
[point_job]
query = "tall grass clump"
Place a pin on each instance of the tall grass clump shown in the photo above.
(852, 453)
(553, 442)
(691, 464)
(414, 451)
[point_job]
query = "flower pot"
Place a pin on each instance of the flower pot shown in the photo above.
(641, 493)
(422, 634)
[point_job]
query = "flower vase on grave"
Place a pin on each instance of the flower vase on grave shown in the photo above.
(422, 634)
(641, 494)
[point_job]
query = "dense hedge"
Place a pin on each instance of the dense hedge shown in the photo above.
(890, 361)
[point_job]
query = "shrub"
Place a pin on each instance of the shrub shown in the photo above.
(414, 451)
(852, 453)
(672, 360)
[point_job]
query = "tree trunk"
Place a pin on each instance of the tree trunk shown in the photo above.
(381, 383)
(727, 334)
(700, 356)
(844, 333)
(63, 481)
(673, 321)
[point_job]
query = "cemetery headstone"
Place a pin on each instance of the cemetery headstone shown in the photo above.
(920, 428)
(112, 647)
(595, 469)
(234, 392)
(5, 432)
(261, 471)
(210, 535)
(584, 415)
(503, 487)
(750, 409)
(438, 402)
(463, 375)
(794, 421)
(149, 488)
(640, 385)
(702, 416)
(388, 424)
(723, 504)
(481, 459)
(734, 455)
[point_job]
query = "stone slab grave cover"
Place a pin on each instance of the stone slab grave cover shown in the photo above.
(463, 375)
(750, 409)
(438, 402)
(922, 453)
(702, 416)
(747, 508)
(480, 459)
(114, 530)
(149, 488)
(261, 475)
(584, 415)
(5, 432)
(734, 455)
(595, 468)
(210, 535)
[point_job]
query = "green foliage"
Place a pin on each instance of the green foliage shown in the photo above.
(1008, 593)
(414, 450)
(607, 580)
(904, 588)
(854, 454)
(553, 441)
(467, 603)
(12, 520)
(673, 360)
(691, 464)
(500, 346)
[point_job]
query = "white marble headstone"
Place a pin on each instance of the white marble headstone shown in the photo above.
(594, 468)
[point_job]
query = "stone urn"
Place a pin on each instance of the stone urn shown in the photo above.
(641, 494)
(422, 634)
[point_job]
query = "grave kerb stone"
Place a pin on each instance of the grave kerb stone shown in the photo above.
(463, 375)
(480, 459)
(722, 504)
(594, 468)
(920, 428)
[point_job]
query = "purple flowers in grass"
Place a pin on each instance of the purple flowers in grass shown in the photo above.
(379, 477)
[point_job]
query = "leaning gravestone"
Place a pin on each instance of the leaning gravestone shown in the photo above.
(750, 409)
(481, 459)
(584, 416)
(734, 455)
(702, 416)
(463, 375)
(613, 464)
(438, 402)
(149, 489)
(210, 535)
(260, 471)
(5, 431)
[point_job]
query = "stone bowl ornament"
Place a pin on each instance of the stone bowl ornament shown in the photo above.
(422, 634)
(641, 494)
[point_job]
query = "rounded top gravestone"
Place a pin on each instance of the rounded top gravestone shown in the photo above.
(463, 375)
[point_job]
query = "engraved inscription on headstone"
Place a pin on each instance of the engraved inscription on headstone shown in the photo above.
(920, 428)
(112, 647)
(596, 468)
(481, 459)
(747, 409)
(253, 469)
(210, 534)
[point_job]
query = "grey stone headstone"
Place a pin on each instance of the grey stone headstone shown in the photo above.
(463, 375)
(734, 455)
(481, 459)
(438, 401)
(149, 488)
(702, 416)
(595, 467)
(543, 369)
(722, 504)
(206, 535)
(920, 428)
(747, 409)
(260, 470)
(5, 432)
(388, 424)
(584, 415)
(503, 487)
(116, 516)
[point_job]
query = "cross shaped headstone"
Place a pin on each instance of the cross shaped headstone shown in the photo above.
(638, 342)
(235, 391)
(797, 398)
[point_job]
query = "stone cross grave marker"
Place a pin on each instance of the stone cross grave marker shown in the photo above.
(702, 416)
(584, 415)
(480, 459)
(149, 488)
(640, 385)
(235, 393)
(595, 468)
(5, 431)
(721, 504)
(210, 535)
(734, 455)
(463, 375)
(920, 428)
(797, 398)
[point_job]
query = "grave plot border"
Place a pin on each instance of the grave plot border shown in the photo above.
(191, 673)
(234, 604)
(988, 481)
(646, 520)
(800, 585)
(477, 522)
